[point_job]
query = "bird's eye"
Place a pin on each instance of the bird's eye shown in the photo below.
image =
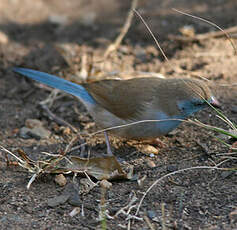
(183, 108)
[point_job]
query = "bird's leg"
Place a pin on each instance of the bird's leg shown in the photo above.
(109, 151)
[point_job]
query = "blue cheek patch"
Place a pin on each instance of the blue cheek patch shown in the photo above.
(192, 106)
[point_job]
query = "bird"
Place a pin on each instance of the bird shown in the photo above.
(138, 108)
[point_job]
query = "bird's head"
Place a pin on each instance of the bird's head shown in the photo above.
(191, 95)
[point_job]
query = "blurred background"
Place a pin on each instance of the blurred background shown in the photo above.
(33, 29)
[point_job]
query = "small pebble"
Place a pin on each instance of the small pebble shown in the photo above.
(41, 132)
(172, 168)
(32, 123)
(72, 191)
(74, 212)
(24, 133)
(34, 129)
(226, 174)
(152, 155)
(3, 38)
(57, 200)
(150, 163)
(60, 179)
(74, 199)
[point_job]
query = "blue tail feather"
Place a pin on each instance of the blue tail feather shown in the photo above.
(58, 83)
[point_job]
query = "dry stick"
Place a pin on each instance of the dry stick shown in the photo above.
(149, 30)
(114, 46)
(199, 37)
(176, 69)
(163, 216)
(150, 225)
(135, 123)
(213, 24)
(50, 98)
(170, 174)
(57, 119)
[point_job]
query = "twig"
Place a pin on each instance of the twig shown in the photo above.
(137, 122)
(128, 207)
(170, 174)
(12, 154)
(32, 179)
(163, 216)
(83, 74)
(153, 36)
(50, 98)
(57, 119)
(150, 225)
(69, 146)
(114, 46)
(222, 32)
(208, 35)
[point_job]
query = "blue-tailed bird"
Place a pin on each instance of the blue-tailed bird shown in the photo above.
(122, 102)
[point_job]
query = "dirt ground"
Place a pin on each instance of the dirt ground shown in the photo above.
(54, 36)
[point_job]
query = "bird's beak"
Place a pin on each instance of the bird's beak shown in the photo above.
(214, 102)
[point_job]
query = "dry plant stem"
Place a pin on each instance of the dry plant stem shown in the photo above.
(163, 216)
(135, 123)
(150, 225)
(69, 146)
(12, 154)
(176, 69)
(170, 174)
(83, 74)
(57, 119)
(128, 207)
(114, 46)
(154, 38)
(213, 34)
(50, 98)
(32, 179)
(103, 208)
(200, 37)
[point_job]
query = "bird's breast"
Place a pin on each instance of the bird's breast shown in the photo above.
(146, 125)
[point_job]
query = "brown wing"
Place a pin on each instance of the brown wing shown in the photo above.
(124, 98)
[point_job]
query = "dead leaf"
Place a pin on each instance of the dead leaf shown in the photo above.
(107, 168)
